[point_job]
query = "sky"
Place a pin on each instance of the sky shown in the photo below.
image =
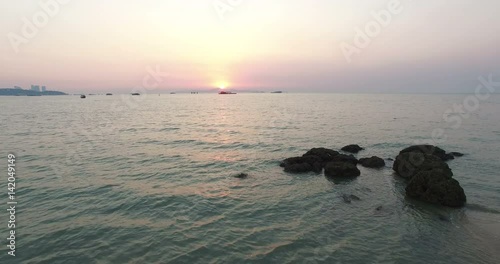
(355, 46)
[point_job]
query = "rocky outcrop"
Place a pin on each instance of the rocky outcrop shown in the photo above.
(410, 163)
(345, 158)
(323, 153)
(303, 164)
(433, 186)
(352, 148)
(315, 160)
(373, 162)
(341, 169)
(430, 178)
(432, 150)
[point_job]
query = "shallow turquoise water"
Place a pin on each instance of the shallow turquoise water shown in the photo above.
(101, 180)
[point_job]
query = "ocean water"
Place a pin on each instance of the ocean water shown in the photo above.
(111, 180)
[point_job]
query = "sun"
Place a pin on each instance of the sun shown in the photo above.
(222, 85)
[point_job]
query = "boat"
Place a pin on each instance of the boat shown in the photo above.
(136, 94)
(109, 94)
(172, 93)
(83, 96)
(224, 92)
(277, 92)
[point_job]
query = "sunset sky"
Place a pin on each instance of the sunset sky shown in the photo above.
(293, 45)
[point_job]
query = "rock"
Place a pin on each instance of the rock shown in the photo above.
(379, 208)
(373, 162)
(390, 159)
(341, 169)
(345, 158)
(302, 159)
(324, 153)
(346, 198)
(408, 164)
(434, 186)
(456, 154)
(352, 148)
(443, 218)
(302, 164)
(448, 156)
(428, 149)
(349, 198)
(410, 206)
(241, 176)
(298, 168)
(354, 197)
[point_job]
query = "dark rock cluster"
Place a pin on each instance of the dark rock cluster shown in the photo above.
(317, 159)
(430, 178)
(424, 166)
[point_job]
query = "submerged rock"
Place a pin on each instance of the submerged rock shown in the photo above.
(341, 169)
(444, 218)
(346, 198)
(408, 164)
(350, 197)
(241, 175)
(373, 162)
(354, 197)
(434, 186)
(457, 154)
(352, 148)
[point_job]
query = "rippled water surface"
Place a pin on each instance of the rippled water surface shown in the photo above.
(111, 180)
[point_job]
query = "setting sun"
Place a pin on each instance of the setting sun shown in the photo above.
(222, 85)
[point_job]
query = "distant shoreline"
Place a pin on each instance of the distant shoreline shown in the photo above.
(22, 92)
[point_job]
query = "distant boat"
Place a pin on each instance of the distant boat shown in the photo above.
(224, 92)
(277, 92)
(109, 94)
(172, 93)
(136, 94)
(83, 96)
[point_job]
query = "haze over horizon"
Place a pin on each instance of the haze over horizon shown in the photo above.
(90, 46)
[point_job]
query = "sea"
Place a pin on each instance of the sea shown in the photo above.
(151, 179)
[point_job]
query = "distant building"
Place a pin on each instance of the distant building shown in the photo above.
(44, 88)
(35, 88)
